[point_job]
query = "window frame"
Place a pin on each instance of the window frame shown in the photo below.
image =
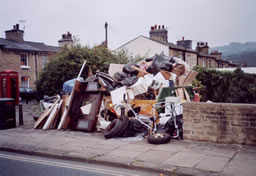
(204, 62)
(26, 82)
(44, 60)
(24, 61)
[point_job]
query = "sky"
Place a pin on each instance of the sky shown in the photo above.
(217, 22)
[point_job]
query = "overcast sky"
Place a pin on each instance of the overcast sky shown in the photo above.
(217, 22)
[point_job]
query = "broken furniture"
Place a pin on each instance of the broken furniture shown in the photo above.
(86, 106)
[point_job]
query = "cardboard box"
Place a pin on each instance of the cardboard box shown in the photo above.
(117, 95)
(113, 68)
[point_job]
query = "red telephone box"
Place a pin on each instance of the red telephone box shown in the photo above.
(9, 85)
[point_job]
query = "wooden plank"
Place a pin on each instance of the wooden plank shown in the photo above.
(67, 108)
(180, 93)
(52, 116)
(139, 70)
(57, 116)
(64, 103)
(45, 114)
(167, 75)
(186, 95)
(189, 78)
(65, 116)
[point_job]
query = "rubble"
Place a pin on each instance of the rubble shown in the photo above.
(133, 98)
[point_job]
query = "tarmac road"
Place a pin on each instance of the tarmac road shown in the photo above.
(13, 164)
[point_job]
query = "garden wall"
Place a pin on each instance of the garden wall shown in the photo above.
(220, 122)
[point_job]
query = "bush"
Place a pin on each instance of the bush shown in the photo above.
(228, 87)
(67, 64)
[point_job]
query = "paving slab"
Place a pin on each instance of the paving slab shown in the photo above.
(136, 147)
(156, 156)
(170, 147)
(185, 159)
(228, 153)
(212, 163)
(243, 164)
(119, 153)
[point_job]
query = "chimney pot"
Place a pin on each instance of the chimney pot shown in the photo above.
(162, 26)
(155, 26)
(183, 38)
(17, 26)
(152, 28)
(159, 27)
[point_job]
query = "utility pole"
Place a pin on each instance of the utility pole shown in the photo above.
(106, 34)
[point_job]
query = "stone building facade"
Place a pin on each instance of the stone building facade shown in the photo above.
(25, 57)
(182, 49)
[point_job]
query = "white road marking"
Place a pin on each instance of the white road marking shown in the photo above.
(65, 165)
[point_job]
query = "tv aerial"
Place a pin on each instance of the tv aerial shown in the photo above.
(24, 24)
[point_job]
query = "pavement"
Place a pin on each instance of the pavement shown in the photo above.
(179, 157)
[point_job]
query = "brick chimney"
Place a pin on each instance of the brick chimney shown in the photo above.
(66, 40)
(15, 34)
(202, 47)
(217, 54)
(158, 33)
(185, 43)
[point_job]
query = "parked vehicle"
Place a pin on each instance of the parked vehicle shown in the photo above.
(27, 94)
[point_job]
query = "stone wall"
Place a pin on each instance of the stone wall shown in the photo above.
(220, 122)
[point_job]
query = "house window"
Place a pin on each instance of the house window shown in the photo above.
(25, 81)
(44, 60)
(204, 63)
(24, 61)
(209, 63)
(189, 60)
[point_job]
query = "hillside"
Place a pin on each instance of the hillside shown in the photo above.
(239, 52)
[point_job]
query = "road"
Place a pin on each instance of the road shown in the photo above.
(13, 164)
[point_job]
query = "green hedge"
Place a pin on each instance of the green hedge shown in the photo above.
(227, 87)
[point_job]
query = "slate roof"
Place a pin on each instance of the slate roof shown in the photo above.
(206, 55)
(27, 46)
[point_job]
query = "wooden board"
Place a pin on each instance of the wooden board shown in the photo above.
(180, 93)
(64, 104)
(45, 114)
(52, 116)
(189, 78)
(186, 95)
(65, 117)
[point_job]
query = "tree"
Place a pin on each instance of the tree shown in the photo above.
(67, 64)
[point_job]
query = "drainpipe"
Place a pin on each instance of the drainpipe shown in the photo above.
(36, 65)
(184, 56)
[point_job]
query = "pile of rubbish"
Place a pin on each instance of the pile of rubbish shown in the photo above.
(144, 97)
